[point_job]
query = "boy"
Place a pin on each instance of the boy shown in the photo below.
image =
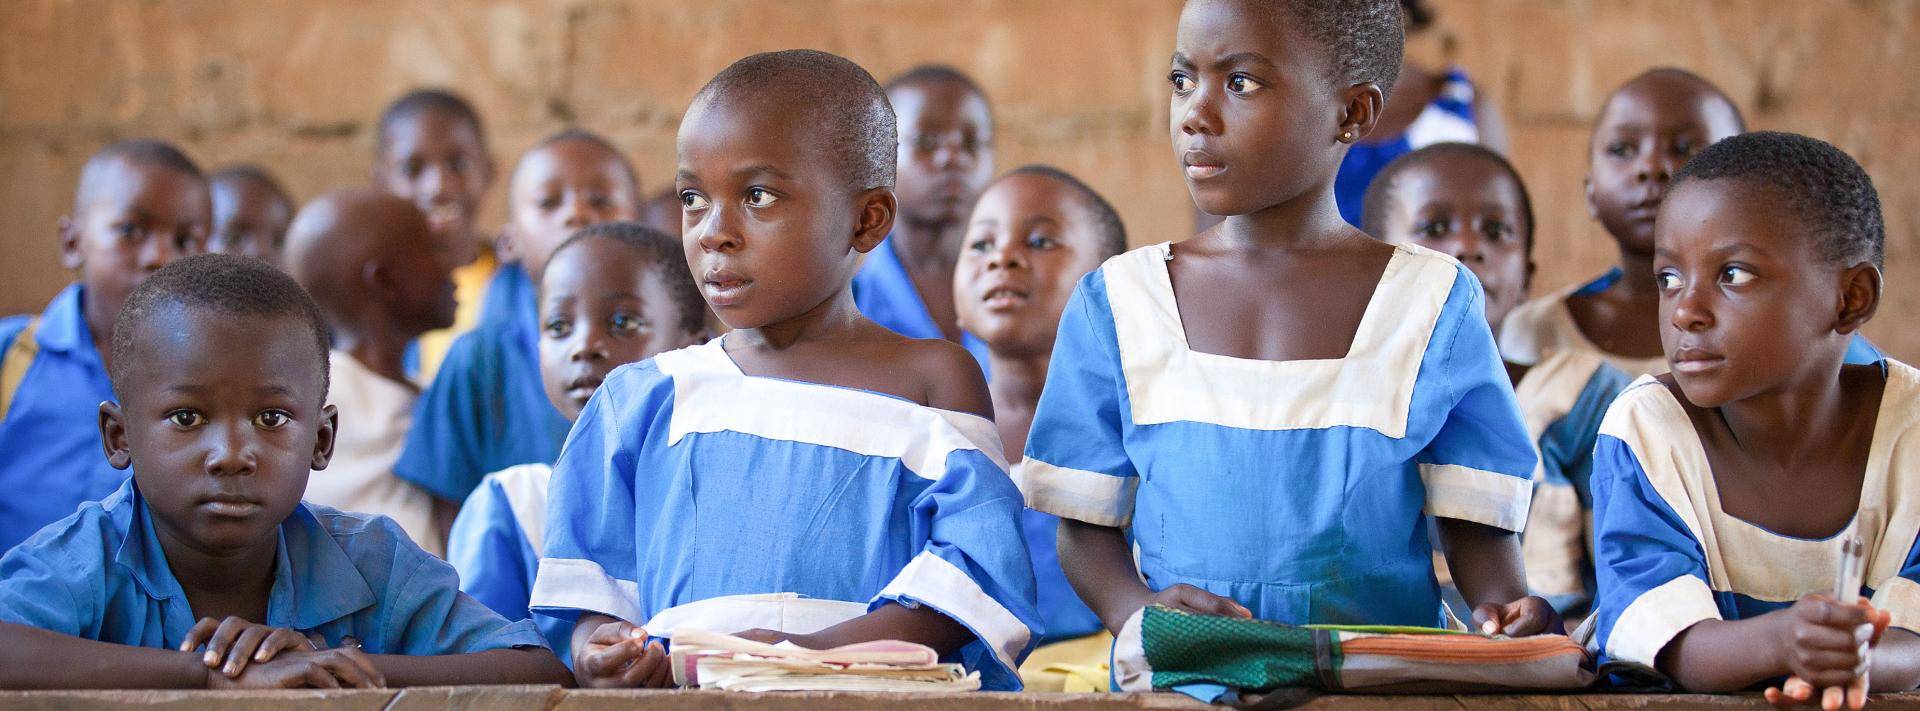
(220, 363)
(140, 204)
(486, 411)
(1033, 234)
(945, 159)
(369, 260)
(612, 294)
(704, 488)
(1724, 490)
(1468, 202)
(251, 213)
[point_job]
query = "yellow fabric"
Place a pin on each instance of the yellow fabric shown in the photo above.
(1076, 666)
(13, 365)
(469, 290)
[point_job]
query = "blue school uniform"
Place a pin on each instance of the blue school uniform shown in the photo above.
(495, 546)
(1448, 118)
(51, 435)
(693, 495)
(101, 574)
(1670, 557)
(1563, 399)
(1299, 488)
(885, 294)
(486, 409)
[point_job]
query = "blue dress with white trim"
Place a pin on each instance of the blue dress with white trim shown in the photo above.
(1298, 488)
(1670, 557)
(687, 482)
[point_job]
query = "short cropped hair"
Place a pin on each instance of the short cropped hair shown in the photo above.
(831, 93)
(669, 262)
(1820, 184)
(136, 151)
(585, 136)
(1364, 39)
(420, 101)
(1379, 200)
(1113, 233)
(223, 284)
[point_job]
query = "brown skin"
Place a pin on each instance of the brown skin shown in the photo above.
(560, 188)
(439, 162)
(1646, 132)
(250, 218)
(773, 234)
(1756, 325)
(371, 263)
(1258, 124)
(129, 220)
(601, 306)
(1031, 238)
(946, 159)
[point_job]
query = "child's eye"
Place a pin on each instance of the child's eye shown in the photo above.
(557, 328)
(550, 203)
(627, 323)
(184, 241)
(272, 419)
(185, 419)
(1684, 148)
(413, 167)
(1667, 279)
(1497, 229)
(1242, 84)
(1619, 149)
(980, 245)
(1181, 82)
(1434, 229)
(1041, 242)
(1735, 276)
(692, 201)
(760, 197)
(600, 202)
(126, 230)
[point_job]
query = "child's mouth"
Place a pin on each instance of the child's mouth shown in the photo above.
(1005, 297)
(725, 289)
(231, 507)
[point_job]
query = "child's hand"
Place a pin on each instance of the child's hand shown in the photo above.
(1797, 690)
(619, 656)
(345, 667)
(1187, 597)
(767, 636)
(234, 642)
(1524, 617)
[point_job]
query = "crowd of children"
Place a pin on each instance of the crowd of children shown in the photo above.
(842, 383)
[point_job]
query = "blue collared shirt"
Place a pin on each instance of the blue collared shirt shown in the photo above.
(51, 459)
(884, 293)
(101, 574)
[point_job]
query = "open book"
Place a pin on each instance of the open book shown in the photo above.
(710, 660)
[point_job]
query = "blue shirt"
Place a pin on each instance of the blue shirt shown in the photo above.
(1563, 398)
(1298, 488)
(53, 459)
(495, 546)
(101, 574)
(687, 482)
(486, 409)
(884, 293)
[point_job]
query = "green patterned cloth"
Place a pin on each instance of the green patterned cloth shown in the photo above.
(1254, 655)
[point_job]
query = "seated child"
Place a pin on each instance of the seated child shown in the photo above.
(612, 294)
(1269, 412)
(809, 451)
(140, 204)
(1034, 233)
(251, 213)
(1469, 203)
(1724, 490)
(486, 409)
(368, 259)
(220, 364)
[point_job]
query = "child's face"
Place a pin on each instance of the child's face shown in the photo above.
(1645, 133)
(601, 306)
(222, 419)
(946, 150)
(1470, 209)
(1255, 117)
(248, 220)
(561, 188)
(1030, 239)
(1746, 303)
(438, 161)
(137, 219)
(421, 278)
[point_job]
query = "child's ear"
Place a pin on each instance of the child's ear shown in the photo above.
(1586, 190)
(877, 208)
(1362, 112)
(113, 435)
(503, 245)
(1526, 282)
(378, 280)
(70, 244)
(1859, 296)
(323, 441)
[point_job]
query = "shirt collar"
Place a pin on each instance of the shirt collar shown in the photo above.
(63, 326)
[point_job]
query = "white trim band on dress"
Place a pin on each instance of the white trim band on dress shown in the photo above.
(931, 580)
(1099, 499)
(1477, 495)
(1901, 598)
(573, 584)
(1659, 615)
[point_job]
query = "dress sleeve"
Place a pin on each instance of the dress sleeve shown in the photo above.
(489, 552)
(47, 582)
(1652, 571)
(1479, 465)
(588, 559)
(1076, 463)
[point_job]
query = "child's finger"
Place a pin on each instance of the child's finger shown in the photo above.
(608, 662)
(319, 677)
(1207, 603)
(645, 670)
(612, 632)
(281, 640)
(198, 635)
(349, 670)
(365, 663)
(1487, 617)
(222, 640)
(243, 649)
(1797, 689)
(1773, 696)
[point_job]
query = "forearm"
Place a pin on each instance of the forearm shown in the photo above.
(1101, 569)
(1896, 661)
(531, 665)
(921, 625)
(1720, 656)
(33, 658)
(1485, 561)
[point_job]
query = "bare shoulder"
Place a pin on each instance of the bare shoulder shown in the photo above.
(952, 376)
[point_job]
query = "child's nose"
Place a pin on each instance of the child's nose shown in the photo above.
(1691, 312)
(592, 346)
(718, 231)
(230, 454)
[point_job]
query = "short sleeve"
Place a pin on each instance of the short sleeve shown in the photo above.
(588, 562)
(44, 584)
(1076, 463)
(489, 552)
(1900, 594)
(426, 614)
(1652, 571)
(444, 449)
(1479, 465)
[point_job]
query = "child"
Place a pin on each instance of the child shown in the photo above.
(1647, 129)
(368, 259)
(1271, 409)
(1033, 234)
(946, 158)
(220, 364)
(251, 213)
(1469, 203)
(1723, 491)
(140, 204)
(486, 410)
(612, 294)
(808, 452)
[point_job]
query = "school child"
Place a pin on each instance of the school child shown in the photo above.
(1269, 412)
(706, 487)
(486, 409)
(251, 213)
(946, 159)
(1033, 234)
(369, 260)
(139, 205)
(1468, 202)
(1725, 490)
(205, 569)
(612, 294)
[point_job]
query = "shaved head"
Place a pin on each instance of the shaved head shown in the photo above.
(842, 103)
(1674, 83)
(99, 172)
(340, 238)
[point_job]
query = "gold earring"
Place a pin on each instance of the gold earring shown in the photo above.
(1346, 136)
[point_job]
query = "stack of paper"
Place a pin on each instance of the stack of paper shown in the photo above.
(710, 660)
